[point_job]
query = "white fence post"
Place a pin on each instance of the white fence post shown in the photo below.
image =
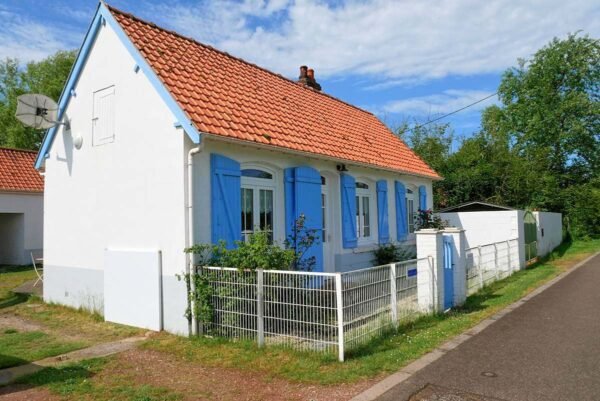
(393, 294)
(496, 270)
(479, 267)
(430, 270)
(340, 315)
(260, 304)
(510, 269)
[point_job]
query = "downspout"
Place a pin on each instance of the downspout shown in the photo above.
(192, 324)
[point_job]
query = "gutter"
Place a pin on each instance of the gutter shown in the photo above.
(192, 325)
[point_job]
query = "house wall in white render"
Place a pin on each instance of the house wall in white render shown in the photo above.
(124, 194)
(549, 231)
(276, 162)
(21, 227)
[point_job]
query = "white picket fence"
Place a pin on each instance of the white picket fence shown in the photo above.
(491, 262)
(325, 312)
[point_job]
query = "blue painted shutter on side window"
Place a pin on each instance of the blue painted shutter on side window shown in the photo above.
(382, 212)
(290, 200)
(422, 197)
(307, 201)
(226, 209)
(401, 217)
(348, 188)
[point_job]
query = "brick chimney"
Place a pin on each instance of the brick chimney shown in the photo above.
(307, 78)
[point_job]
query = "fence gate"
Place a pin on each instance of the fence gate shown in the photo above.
(448, 273)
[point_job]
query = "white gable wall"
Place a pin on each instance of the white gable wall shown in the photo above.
(127, 193)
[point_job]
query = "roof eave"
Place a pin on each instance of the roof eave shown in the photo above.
(221, 138)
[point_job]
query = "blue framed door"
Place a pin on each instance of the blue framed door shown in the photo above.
(448, 273)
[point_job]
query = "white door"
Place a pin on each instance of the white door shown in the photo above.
(328, 259)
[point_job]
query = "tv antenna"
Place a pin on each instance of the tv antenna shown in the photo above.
(38, 111)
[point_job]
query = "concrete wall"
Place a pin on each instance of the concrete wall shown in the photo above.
(340, 259)
(124, 194)
(21, 227)
(549, 231)
(482, 228)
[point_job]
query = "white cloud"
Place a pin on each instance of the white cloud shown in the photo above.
(29, 40)
(390, 40)
(442, 103)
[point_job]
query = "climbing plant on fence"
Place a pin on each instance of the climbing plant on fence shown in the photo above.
(213, 295)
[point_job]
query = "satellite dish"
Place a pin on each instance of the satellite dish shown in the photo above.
(37, 111)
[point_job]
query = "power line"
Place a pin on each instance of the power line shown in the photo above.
(452, 112)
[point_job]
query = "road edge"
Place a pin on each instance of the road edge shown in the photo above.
(383, 386)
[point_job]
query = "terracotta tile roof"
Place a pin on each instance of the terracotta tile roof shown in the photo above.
(17, 172)
(228, 97)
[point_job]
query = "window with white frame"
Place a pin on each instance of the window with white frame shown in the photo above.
(364, 202)
(257, 192)
(410, 210)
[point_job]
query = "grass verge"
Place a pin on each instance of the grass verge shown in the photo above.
(18, 348)
(384, 355)
(10, 278)
(85, 381)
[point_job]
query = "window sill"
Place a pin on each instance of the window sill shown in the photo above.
(362, 248)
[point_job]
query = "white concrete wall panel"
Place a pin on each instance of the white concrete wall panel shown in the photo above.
(549, 231)
(24, 231)
(132, 288)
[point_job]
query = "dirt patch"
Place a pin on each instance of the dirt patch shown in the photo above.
(10, 321)
(196, 382)
(21, 392)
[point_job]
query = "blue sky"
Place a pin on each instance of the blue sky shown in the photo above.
(403, 60)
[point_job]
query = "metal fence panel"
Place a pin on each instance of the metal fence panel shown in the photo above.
(490, 262)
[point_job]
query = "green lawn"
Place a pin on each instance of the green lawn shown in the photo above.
(381, 356)
(56, 330)
(74, 382)
(17, 348)
(10, 278)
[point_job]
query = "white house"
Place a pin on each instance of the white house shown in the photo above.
(172, 142)
(21, 207)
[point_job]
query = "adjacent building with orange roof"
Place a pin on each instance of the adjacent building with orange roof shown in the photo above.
(172, 142)
(21, 207)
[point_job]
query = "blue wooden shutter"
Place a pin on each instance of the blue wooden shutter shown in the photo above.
(348, 186)
(226, 208)
(422, 197)
(290, 201)
(401, 217)
(382, 212)
(307, 201)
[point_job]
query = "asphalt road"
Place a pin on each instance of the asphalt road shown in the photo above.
(548, 349)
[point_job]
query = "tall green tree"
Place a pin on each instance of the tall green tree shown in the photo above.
(47, 77)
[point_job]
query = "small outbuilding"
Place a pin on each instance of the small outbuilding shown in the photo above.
(21, 207)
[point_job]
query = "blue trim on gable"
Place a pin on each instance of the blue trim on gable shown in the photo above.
(69, 89)
(103, 15)
(158, 85)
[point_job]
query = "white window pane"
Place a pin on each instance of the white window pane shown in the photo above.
(358, 222)
(366, 217)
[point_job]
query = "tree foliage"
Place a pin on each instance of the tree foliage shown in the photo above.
(540, 148)
(47, 76)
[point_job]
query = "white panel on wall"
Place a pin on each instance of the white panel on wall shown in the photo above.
(103, 120)
(132, 288)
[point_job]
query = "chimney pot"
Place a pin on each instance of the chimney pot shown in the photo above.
(311, 73)
(303, 69)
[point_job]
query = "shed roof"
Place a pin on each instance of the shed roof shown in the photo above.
(475, 206)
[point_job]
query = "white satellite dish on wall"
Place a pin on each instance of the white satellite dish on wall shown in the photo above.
(37, 111)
